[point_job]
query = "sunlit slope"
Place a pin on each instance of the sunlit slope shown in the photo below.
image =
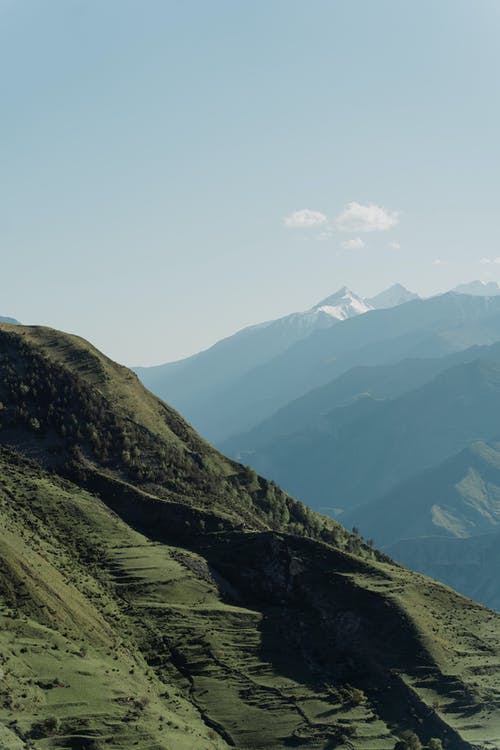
(73, 675)
(458, 498)
(257, 641)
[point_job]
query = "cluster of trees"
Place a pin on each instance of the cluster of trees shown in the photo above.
(410, 741)
(282, 512)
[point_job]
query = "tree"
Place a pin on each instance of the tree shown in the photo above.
(408, 741)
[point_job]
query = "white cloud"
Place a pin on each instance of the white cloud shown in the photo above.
(486, 261)
(304, 219)
(437, 262)
(394, 246)
(354, 244)
(370, 218)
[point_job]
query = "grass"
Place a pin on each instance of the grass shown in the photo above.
(107, 649)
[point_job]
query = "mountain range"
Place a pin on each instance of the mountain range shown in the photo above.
(361, 450)
(156, 594)
(190, 384)
(364, 418)
(223, 399)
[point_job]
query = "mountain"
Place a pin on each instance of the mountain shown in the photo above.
(316, 446)
(358, 452)
(13, 321)
(396, 295)
(233, 356)
(417, 329)
(245, 378)
(154, 593)
(194, 383)
(445, 522)
(380, 382)
(467, 564)
(479, 288)
(460, 497)
(342, 305)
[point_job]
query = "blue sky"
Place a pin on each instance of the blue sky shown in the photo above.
(157, 158)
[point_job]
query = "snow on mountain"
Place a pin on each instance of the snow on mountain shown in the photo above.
(479, 288)
(295, 326)
(397, 294)
(342, 305)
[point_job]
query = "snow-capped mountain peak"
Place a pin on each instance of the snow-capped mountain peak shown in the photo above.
(342, 305)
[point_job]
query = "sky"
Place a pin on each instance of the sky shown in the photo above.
(173, 170)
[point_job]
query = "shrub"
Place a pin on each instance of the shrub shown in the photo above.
(408, 741)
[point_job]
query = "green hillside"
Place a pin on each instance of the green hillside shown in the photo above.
(458, 498)
(444, 522)
(154, 594)
(70, 407)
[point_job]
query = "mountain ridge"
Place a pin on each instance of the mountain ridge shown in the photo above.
(360, 451)
(215, 368)
(416, 329)
(393, 296)
(378, 381)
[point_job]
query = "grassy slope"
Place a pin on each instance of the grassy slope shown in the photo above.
(458, 498)
(86, 606)
(441, 522)
(72, 670)
(230, 635)
(126, 640)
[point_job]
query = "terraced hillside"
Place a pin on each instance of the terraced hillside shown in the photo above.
(191, 604)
